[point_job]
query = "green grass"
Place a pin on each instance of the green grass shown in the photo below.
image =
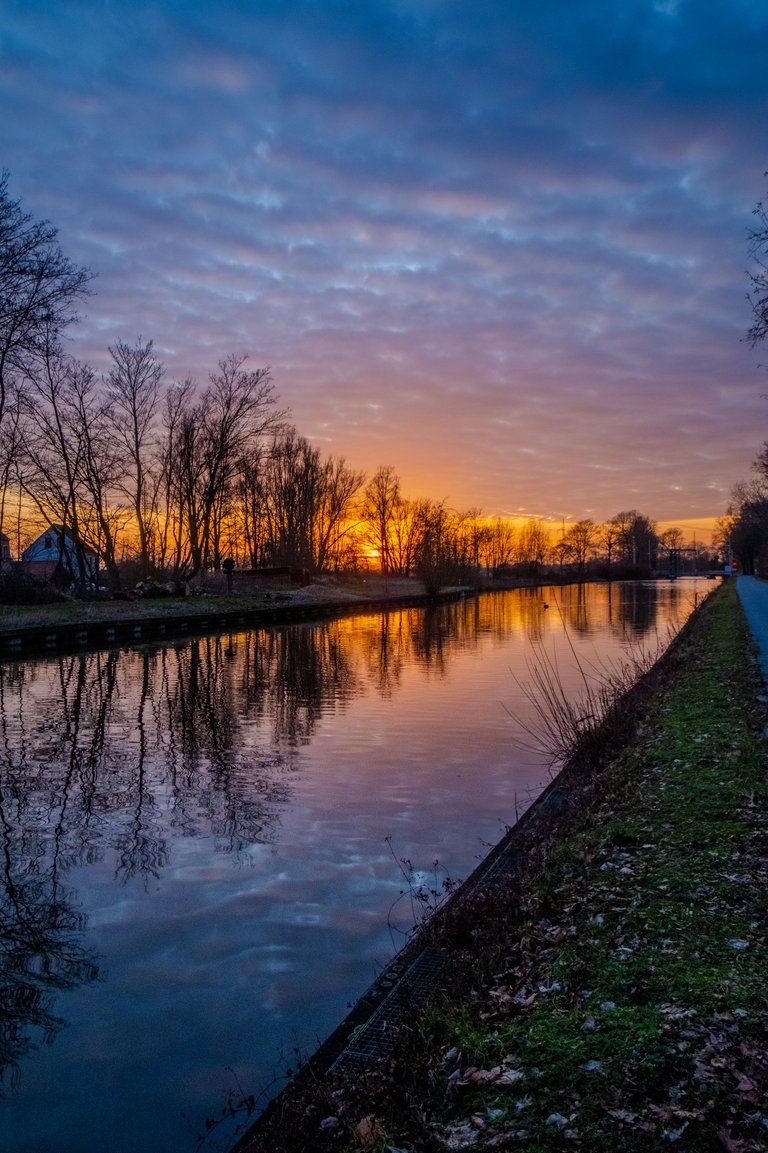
(636, 988)
(14, 617)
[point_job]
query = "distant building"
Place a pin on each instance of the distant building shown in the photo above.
(5, 552)
(55, 556)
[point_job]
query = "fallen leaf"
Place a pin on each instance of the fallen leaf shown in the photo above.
(622, 1115)
(510, 1077)
(729, 1143)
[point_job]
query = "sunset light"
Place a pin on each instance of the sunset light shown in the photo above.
(505, 255)
(383, 575)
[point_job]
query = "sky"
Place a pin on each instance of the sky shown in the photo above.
(498, 245)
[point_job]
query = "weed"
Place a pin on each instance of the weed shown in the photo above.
(566, 725)
(425, 893)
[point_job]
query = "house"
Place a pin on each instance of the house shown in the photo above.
(5, 552)
(56, 556)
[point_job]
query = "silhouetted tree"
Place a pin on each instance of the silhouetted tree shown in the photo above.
(437, 563)
(340, 487)
(581, 537)
(204, 447)
(608, 536)
(406, 531)
(51, 450)
(102, 469)
(532, 544)
(377, 511)
(39, 289)
(671, 540)
(39, 293)
(293, 495)
(133, 390)
(500, 543)
(758, 298)
(636, 539)
(748, 536)
(177, 477)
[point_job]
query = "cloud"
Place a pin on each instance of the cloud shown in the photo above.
(502, 250)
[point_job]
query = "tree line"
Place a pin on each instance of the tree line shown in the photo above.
(158, 477)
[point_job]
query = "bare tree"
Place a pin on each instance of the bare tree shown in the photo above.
(500, 545)
(252, 525)
(758, 298)
(102, 467)
(51, 454)
(439, 560)
(10, 445)
(581, 537)
(748, 523)
(133, 386)
(237, 410)
(636, 538)
(474, 535)
(406, 531)
(671, 541)
(205, 445)
(298, 504)
(333, 525)
(377, 510)
(175, 471)
(39, 290)
(293, 491)
(533, 543)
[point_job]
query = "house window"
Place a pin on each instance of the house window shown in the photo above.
(48, 544)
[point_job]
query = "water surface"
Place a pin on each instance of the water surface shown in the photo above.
(203, 844)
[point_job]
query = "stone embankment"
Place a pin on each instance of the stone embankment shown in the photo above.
(68, 627)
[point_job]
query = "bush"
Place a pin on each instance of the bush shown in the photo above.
(19, 588)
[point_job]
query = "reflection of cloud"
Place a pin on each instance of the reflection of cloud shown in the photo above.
(41, 953)
(479, 218)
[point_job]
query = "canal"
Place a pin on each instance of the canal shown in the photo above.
(209, 848)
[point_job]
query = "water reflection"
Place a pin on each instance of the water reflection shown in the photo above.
(142, 766)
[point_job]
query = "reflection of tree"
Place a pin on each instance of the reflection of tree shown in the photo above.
(141, 846)
(430, 636)
(40, 933)
(220, 781)
(383, 643)
(533, 610)
(633, 608)
(40, 951)
(85, 774)
(574, 606)
(293, 675)
(390, 641)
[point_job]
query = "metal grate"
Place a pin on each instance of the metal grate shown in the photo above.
(376, 1036)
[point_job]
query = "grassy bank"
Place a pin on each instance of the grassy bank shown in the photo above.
(614, 993)
(217, 602)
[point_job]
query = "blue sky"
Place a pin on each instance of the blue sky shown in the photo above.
(498, 245)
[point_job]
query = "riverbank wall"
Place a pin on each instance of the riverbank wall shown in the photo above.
(24, 641)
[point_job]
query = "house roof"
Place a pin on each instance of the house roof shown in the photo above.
(58, 531)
